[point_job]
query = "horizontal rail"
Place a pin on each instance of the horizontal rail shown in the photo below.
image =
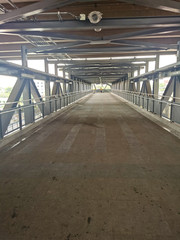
(23, 115)
(159, 96)
(39, 98)
(165, 109)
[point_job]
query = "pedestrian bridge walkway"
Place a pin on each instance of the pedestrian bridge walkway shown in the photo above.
(99, 171)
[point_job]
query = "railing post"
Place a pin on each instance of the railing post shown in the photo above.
(43, 107)
(147, 104)
(63, 100)
(67, 99)
(171, 112)
(60, 102)
(160, 111)
(50, 105)
(55, 104)
(1, 133)
(20, 117)
(153, 108)
(33, 112)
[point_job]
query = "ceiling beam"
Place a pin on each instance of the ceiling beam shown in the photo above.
(146, 44)
(58, 46)
(142, 22)
(101, 71)
(165, 5)
(141, 33)
(100, 66)
(52, 35)
(100, 75)
(34, 9)
(82, 43)
(102, 61)
(100, 50)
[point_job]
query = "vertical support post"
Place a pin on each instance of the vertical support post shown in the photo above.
(64, 82)
(24, 56)
(156, 80)
(175, 115)
(124, 85)
(178, 51)
(176, 79)
(76, 85)
(138, 86)
(1, 131)
(139, 73)
(177, 90)
(130, 85)
(47, 98)
(72, 84)
(64, 86)
(28, 113)
(79, 85)
(157, 62)
(147, 67)
(20, 118)
(156, 88)
(27, 89)
(47, 91)
(56, 69)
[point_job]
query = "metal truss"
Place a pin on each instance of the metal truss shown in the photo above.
(23, 115)
(167, 105)
(34, 9)
(143, 22)
(166, 5)
(25, 86)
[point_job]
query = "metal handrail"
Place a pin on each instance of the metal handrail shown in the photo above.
(152, 104)
(55, 104)
(41, 98)
(154, 99)
(148, 94)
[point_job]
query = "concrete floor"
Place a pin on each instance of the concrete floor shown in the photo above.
(100, 171)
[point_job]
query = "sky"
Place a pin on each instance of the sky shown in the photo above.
(7, 81)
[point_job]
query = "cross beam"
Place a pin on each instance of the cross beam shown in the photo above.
(166, 5)
(34, 9)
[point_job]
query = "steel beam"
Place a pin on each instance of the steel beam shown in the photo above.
(52, 35)
(177, 90)
(103, 66)
(35, 92)
(105, 69)
(146, 44)
(169, 89)
(165, 5)
(36, 95)
(28, 111)
(102, 61)
(58, 46)
(100, 50)
(11, 69)
(12, 103)
(34, 9)
(146, 87)
(146, 32)
(120, 23)
(100, 75)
